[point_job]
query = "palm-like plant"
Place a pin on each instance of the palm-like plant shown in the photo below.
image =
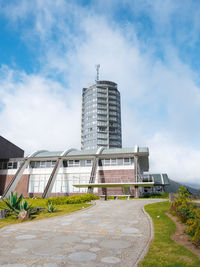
(13, 202)
(25, 206)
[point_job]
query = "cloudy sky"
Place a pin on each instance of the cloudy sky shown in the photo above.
(48, 50)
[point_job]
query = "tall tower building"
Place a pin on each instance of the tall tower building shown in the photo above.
(101, 116)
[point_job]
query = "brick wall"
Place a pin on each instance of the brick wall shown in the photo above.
(22, 185)
(4, 182)
(115, 176)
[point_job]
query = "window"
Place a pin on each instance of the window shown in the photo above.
(119, 161)
(88, 162)
(53, 163)
(70, 163)
(113, 161)
(37, 183)
(42, 164)
(77, 162)
(48, 164)
(107, 161)
(10, 165)
(127, 161)
(101, 128)
(64, 163)
(37, 164)
(14, 165)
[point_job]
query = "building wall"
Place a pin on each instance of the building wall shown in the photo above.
(36, 176)
(33, 182)
(116, 176)
(9, 150)
(4, 182)
(22, 185)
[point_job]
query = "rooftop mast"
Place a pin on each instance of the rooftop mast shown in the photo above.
(97, 69)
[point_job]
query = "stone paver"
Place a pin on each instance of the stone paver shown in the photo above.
(112, 233)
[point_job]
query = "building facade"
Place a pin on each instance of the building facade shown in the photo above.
(101, 116)
(46, 174)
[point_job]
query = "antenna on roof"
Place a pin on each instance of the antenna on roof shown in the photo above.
(97, 69)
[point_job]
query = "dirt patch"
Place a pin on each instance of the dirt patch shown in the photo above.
(181, 237)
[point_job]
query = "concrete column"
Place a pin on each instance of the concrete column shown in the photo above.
(136, 168)
(136, 192)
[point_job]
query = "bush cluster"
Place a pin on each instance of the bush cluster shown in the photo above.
(189, 214)
(156, 195)
(77, 199)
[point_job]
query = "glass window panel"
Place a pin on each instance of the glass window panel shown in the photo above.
(48, 164)
(37, 164)
(65, 163)
(119, 161)
(14, 165)
(5, 165)
(10, 165)
(107, 161)
(53, 163)
(113, 161)
(42, 164)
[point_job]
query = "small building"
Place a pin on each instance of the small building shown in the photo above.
(45, 173)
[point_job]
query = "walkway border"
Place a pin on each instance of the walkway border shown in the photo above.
(147, 245)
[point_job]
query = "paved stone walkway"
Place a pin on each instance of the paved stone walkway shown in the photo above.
(112, 233)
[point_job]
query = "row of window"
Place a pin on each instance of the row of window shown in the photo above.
(66, 163)
(42, 164)
(114, 161)
(69, 163)
(10, 165)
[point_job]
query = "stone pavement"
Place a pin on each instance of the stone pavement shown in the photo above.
(111, 233)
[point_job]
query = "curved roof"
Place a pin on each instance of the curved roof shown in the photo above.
(45, 153)
(97, 151)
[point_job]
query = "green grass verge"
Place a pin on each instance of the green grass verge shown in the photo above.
(60, 210)
(163, 250)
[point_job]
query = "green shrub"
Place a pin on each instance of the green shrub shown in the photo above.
(51, 208)
(13, 202)
(189, 213)
(77, 199)
(158, 195)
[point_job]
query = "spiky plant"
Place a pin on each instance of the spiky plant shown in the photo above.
(13, 202)
(51, 208)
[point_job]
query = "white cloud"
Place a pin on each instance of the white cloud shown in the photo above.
(39, 114)
(180, 162)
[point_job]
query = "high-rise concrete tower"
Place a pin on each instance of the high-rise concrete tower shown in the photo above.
(101, 116)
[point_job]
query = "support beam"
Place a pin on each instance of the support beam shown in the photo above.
(13, 183)
(52, 178)
(93, 174)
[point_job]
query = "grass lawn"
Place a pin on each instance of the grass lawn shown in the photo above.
(163, 250)
(60, 210)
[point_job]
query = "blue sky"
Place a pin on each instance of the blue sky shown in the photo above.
(48, 50)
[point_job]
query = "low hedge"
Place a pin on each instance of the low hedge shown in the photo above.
(77, 199)
(155, 195)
